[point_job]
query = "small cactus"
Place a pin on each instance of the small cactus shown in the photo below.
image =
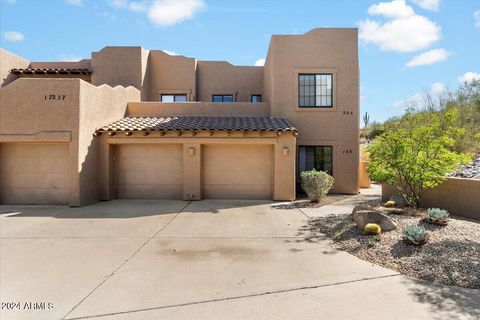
(415, 235)
(437, 216)
(390, 204)
(372, 229)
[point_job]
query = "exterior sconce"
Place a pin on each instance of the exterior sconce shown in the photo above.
(146, 133)
(285, 151)
(128, 133)
(112, 133)
(191, 151)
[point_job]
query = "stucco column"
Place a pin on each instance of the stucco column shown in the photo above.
(284, 170)
(192, 171)
(106, 180)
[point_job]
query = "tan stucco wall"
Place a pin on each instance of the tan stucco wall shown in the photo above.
(320, 50)
(221, 77)
(122, 66)
(26, 116)
(169, 74)
(198, 109)
(458, 196)
(8, 61)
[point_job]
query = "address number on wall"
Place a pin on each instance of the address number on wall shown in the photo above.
(55, 97)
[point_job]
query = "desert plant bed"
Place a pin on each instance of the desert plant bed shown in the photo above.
(450, 256)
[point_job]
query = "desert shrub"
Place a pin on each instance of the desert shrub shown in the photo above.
(316, 184)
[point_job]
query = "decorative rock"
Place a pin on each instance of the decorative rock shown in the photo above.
(364, 217)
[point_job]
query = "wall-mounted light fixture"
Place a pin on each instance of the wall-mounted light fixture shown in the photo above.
(191, 151)
(285, 151)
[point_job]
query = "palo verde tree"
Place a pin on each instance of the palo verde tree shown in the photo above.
(417, 154)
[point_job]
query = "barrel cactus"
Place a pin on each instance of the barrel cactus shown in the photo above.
(372, 229)
(415, 235)
(437, 216)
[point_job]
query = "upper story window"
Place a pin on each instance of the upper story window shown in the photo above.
(256, 98)
(222, 98)
(315, 90)
(173, 98)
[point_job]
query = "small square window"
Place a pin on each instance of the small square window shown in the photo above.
(256, 98)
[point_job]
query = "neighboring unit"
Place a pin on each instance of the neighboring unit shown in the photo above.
(133, 123)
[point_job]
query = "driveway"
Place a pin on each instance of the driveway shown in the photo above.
(210, 259)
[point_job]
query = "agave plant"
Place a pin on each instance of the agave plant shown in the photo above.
(415, 235)
(437, 216)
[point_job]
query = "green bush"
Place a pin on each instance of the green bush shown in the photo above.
(316, 184)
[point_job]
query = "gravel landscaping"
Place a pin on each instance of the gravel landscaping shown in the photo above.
(450, 256)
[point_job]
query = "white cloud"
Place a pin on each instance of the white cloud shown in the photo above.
(137, 6)
(476, 15)
(435, 91)
(394, 9)
(404, 30)
(438, 88)
(13, 36)
(77, 3)
(431, 5)
(69, 57)
(172, 53)
(260, 62)
(170, 12)
(469, 77)
(429, 57)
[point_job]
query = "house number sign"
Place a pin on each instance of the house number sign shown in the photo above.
(55, 97)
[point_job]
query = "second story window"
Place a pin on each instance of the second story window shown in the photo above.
(315, 90)
(256, 98)
(173, 98)
(222, 98)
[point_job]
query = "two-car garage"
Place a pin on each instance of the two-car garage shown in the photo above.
(228, 171)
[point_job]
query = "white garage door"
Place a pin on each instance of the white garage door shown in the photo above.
(34, 173)
(237, 171)
(149, 171)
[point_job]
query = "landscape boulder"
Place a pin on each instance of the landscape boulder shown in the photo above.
(363, 217)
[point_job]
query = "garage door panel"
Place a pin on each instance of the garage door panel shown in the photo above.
(236, 177)
(149, 171)
(238, 171)
(34, 173)
(238, 192)
(149, 177)
(149, 192)
(158, 164)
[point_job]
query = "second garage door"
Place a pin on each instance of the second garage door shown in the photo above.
(149, 171)
(237, 171)
(34, 173)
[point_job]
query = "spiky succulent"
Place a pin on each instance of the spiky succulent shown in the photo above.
(372, 229)
(437, 216)
(415, 235)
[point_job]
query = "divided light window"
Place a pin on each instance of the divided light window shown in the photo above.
(315, 157)
(173, 98)
(315, 90)
(222, 98)
(256, 98)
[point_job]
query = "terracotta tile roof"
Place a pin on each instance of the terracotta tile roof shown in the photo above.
(199, 123)
(51, 71)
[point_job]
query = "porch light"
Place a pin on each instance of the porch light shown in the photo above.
(191, 151)
(146, 133)
(128, 133)
(285, 151)
(112, 133)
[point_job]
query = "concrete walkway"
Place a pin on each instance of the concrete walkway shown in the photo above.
(211, 259)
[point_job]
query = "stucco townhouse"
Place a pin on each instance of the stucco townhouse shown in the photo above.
(136, 123)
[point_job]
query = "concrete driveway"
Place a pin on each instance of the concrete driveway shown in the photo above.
(211, 259)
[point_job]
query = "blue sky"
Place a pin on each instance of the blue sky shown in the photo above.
(406, 47)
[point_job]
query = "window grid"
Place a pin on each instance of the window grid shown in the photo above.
(222, 98)
(315, 90)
